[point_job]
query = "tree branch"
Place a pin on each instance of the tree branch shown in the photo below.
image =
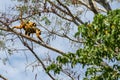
(67, 12)
(92, 6)
(74, 18)
(2, 77)
(105, 4)
(64, 36)
(35, 41)
(36, 56)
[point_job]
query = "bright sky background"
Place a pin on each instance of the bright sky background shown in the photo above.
(15, 69)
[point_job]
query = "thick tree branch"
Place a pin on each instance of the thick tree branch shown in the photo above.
(92, 6)
(2, 77)
(105, 4)
(35, 41)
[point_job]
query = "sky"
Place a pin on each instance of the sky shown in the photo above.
(16, 69)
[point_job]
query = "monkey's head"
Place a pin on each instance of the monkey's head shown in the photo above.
(39, 32)
(31, 24)
(34, 24)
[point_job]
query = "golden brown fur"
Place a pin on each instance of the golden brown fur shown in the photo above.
(30, 28)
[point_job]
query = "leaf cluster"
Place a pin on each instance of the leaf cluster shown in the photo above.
(102, 38)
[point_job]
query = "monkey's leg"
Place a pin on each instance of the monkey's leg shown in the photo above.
(29, 34)
(26, 32)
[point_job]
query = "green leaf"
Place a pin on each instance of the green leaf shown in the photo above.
(47, 21)
(77, 34)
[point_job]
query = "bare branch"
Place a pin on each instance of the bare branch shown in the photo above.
(88, 7)
(66, 11)
(64, 36)
(74, 18)
(104, 3)
(92, 6)
(62, 16)
(68, 74)
(36, 56)
(59, 8)
(2, 77)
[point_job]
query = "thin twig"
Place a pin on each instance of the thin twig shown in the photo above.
(74, 18)
(64, 36)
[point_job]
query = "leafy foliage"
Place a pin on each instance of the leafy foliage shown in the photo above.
(102, 38)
